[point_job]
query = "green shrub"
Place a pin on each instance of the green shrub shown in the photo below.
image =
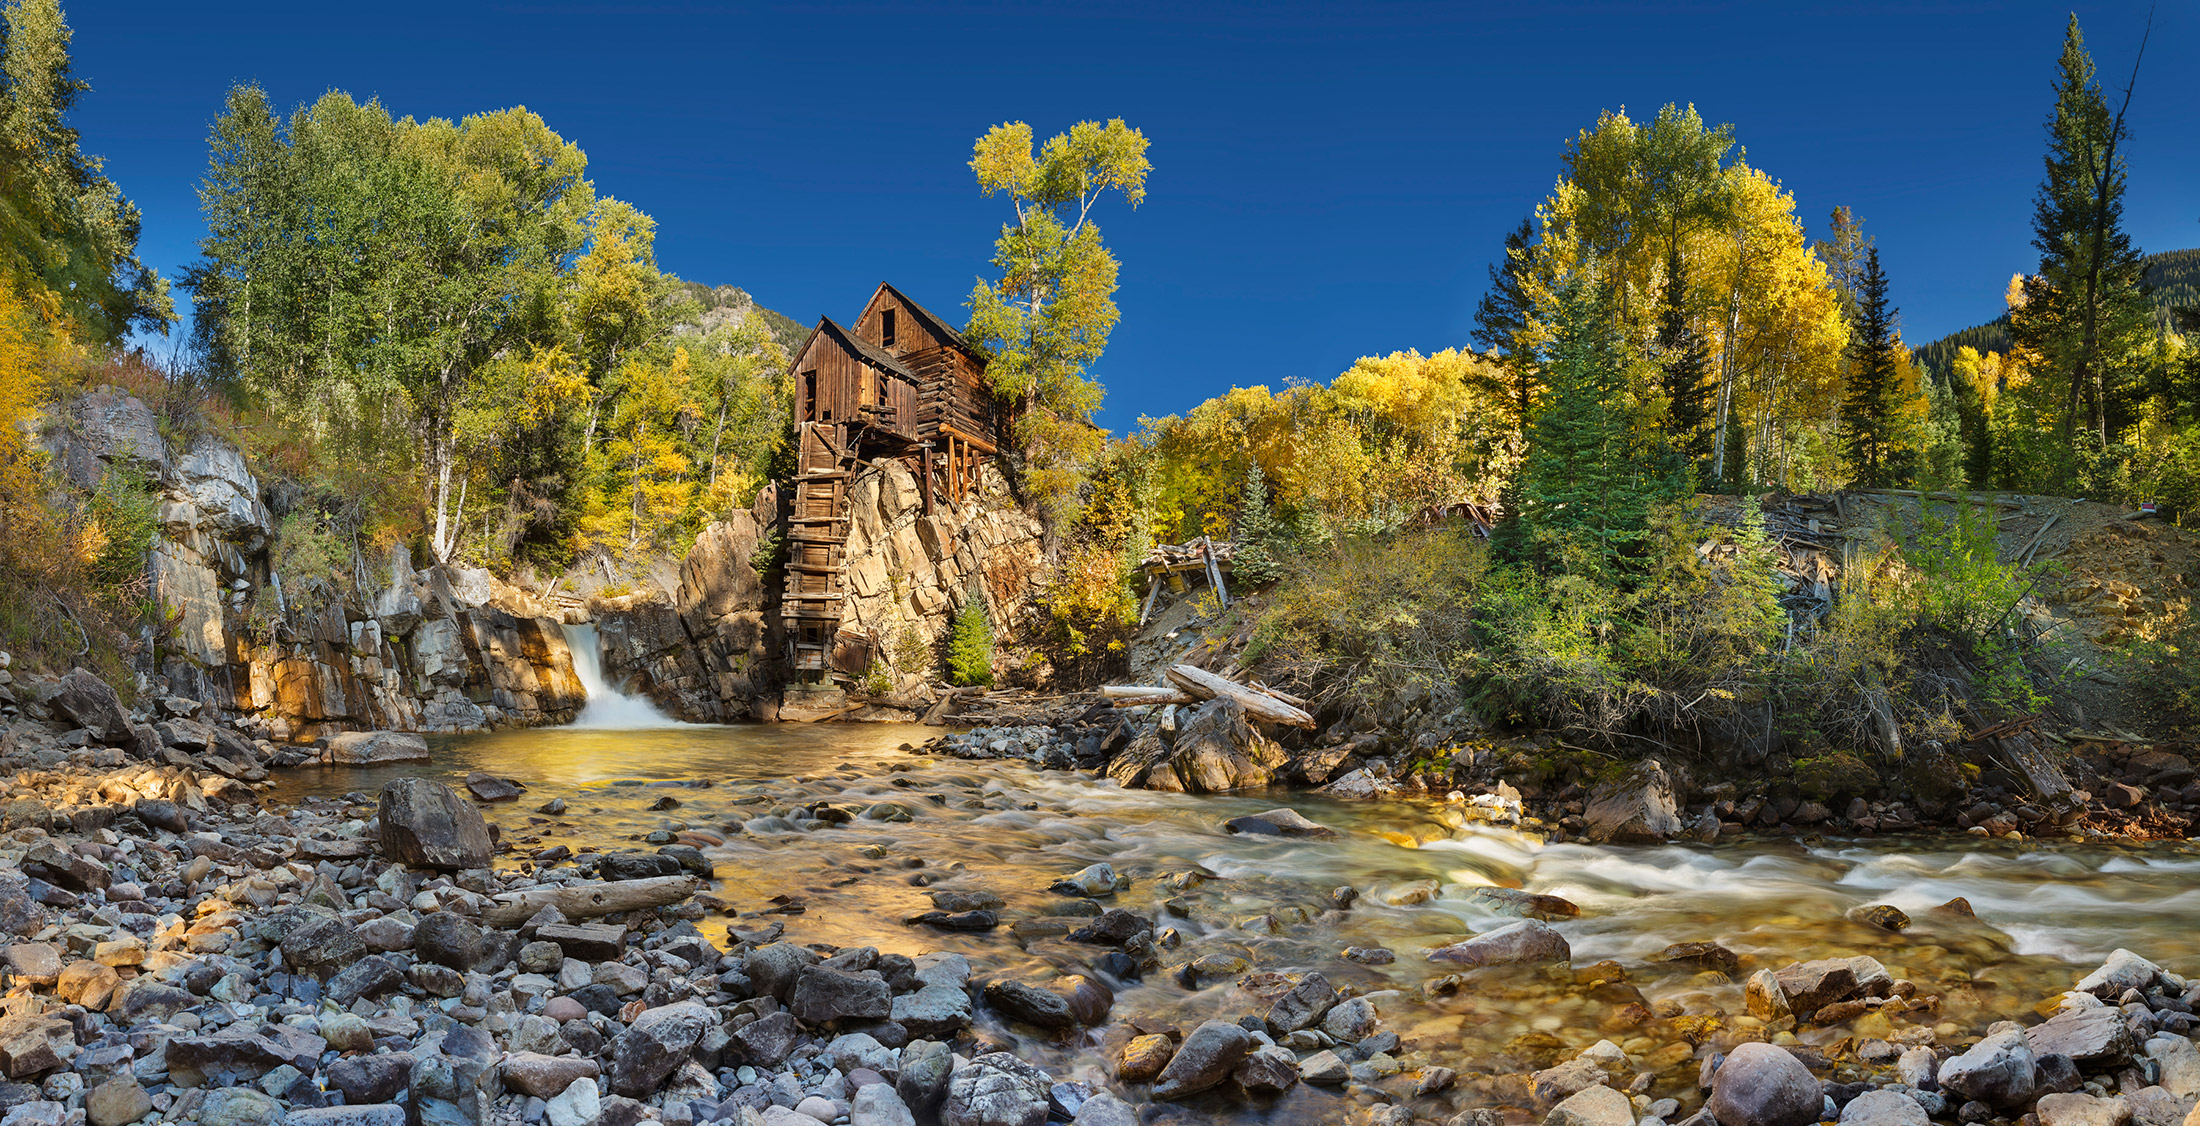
(970, 643)
(120, 519)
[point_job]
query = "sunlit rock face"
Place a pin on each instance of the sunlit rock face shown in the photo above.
(712, 652)
(377, 646)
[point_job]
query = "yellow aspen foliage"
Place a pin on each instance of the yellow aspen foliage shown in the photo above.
(32, 349)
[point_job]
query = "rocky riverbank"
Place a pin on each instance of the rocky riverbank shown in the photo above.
(2120, 790)
(179, 951)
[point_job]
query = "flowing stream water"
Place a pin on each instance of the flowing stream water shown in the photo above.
(2045, 912)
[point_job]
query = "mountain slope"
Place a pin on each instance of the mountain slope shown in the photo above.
(2174, 274)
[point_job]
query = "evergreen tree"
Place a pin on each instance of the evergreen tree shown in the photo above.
(1586, 493)
(970, 642)
(1686, 366)
(1257, 534)
(1869, 437)
(1503, 323)
(2084, 320)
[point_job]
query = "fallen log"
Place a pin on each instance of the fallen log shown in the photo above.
(1157, 698)
(1260, 705)
(1127, 691)
(589, 901)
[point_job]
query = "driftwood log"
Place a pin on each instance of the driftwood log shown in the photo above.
(1260, 705)
(588, 901)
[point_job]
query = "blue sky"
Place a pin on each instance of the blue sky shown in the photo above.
(1329, 181)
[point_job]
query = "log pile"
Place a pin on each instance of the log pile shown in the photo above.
(1189, 684)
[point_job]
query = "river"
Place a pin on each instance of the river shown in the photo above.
(2046, 913)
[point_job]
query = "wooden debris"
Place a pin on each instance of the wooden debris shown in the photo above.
(1260, 705)
(589, 901)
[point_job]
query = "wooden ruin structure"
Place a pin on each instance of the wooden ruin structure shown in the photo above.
(897, 384)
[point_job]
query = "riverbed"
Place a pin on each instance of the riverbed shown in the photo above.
(2045, 913)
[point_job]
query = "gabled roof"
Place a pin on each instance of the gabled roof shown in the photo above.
(938, 327)
(863, 349)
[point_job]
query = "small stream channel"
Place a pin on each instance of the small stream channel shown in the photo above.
(2045, 913)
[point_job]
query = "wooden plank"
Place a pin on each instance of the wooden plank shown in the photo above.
(1153, 587)
(1260, 705)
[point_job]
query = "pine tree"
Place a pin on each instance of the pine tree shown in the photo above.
(970, 642)
(1502, 323)
(1686, 364)
(1583, 498)
(2085, 318)
(1255, 562)
(1868, 422)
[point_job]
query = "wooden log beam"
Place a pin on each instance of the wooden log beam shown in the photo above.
(589, 901)
(1260, 705)
(1159, 698)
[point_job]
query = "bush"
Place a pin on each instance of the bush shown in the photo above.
(970, 643)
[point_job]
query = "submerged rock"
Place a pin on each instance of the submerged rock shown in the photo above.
(1526, 942)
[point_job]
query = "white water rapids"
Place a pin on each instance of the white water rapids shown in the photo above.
(608, 709)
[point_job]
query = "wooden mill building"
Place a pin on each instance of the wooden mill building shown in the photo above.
(897, 383)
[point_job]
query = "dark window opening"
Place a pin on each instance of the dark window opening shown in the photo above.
(882, 385)
(809, 395)
(886, 328)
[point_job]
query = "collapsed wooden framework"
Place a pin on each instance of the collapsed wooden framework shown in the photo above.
(898, 384)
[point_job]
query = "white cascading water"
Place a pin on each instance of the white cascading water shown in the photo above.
(607, 708)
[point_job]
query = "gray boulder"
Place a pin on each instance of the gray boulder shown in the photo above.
(656, 1044)
(1761, 1085)
(1206, 1058)
(1637, 808)
(2095, 1038)
(1884, 1108)
(94, 706)
(425, 824)
(1592, 1106)
(997, 1089)
(2000, 1071)
(1527, 942)
(365, 748)
(823, 995)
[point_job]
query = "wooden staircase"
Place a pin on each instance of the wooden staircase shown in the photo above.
(817, 545)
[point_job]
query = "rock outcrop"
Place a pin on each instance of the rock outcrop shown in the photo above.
(379, 646)
(711, 651)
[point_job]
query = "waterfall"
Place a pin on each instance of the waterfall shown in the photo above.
(607, 707)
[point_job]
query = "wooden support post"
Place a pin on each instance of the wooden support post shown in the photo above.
(926, 456)
(1153, 587)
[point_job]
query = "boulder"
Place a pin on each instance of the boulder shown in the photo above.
(448, 939)
(1884, 1108)
(1301, 1006)
(1206, 1058)
(425, 824)
(1636, 808)
(239, 1106)
(2122, 972)
(1592, 1106)
(1762, 1085)
(1527, 942)
(94, 706)
(2082, 1110)
(544, 1076)
(117, 1102)
(767, 1041)
(30, 1045)
(1030, 1004)
(1999, 1071)
(925, 1069)
(1144, 1057)
(1278, 823)
(657, 1043)
(1270, 1069)
(823, 995)
(367, 748)
(2095, 1038)
(996, 1089)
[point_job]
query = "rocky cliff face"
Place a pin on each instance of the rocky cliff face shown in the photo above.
(389, 648)
(710, 653)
